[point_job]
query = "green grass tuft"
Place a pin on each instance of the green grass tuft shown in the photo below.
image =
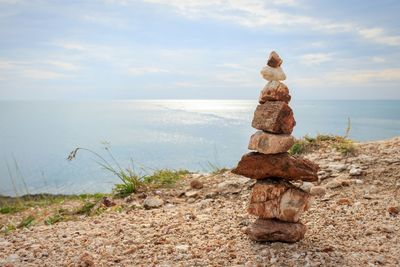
(85, 209)
(346, 147)
(164, 177)
(26, 222)
(308, 144)
(215, 168)
(9, 209)
(54, 219)
(7, 229)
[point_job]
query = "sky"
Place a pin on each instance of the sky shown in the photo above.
(197, 49)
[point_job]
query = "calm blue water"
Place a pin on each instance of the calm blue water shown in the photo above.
(36, 137)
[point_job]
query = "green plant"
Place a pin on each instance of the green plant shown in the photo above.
(214, 168)
(9, 209)
(299, 147)
(164, 177)
(8, 228)
(85, 209)
(26, 222)
(346, 147)
(54, 219)
(340, 143)
(132, 181)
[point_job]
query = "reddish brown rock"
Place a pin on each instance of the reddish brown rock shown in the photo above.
(278, 199)
(268, 143)
(274, 91)
(196, 184)
(272, 230)
(260, 166)
(274, 60)
(275, 117)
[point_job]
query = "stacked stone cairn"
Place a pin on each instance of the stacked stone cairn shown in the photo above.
(275, 200)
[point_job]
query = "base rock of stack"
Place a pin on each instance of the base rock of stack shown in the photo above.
(267, 143)
(278, 199)
(260, 166)
(274, 91)
(275, 117)
(274, 230)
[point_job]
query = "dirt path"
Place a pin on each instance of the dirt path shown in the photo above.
(349, 226)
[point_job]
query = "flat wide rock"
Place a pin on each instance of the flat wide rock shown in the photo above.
(272, 230)
(261, 166)
(272, 198)
(273, 74)
(274, 117)
(268, 143)
(274, 91)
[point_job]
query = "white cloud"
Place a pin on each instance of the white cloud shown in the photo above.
(350, 78)
(105, 20)
(378, 59)
(43, 74)
(11, 2)
(258, 13)
(234, 66)
(315, 58)
(146, 70)
(379, 35)
(367, 76)
(5, 64)
(70, 45)
(64, 65)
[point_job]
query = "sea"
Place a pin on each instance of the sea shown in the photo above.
(36, 137)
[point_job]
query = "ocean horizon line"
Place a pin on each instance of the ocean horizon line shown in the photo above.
(177, 99)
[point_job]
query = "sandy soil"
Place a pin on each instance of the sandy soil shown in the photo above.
(349, 226)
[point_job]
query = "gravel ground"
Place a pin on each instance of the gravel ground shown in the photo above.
(349, 226)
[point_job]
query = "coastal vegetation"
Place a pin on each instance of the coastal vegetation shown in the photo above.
(131, 180)
(308, 144)
(37, 209)
(340, 143)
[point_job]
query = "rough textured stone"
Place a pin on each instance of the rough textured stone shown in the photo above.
(275, 117)
(278, 199)
(196, 184)
(260, 166)
(267, 143)
(318, 191)
(274, 91)
(273, 230)
(273, 74)
(274, 60)
(152, 202)
(306, 186)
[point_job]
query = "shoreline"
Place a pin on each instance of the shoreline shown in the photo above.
(353, 222)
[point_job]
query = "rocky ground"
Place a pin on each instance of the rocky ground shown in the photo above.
(354, 221)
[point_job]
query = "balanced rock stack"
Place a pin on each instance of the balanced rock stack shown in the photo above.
(274, 199)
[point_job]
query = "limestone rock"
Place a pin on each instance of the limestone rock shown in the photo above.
(274, 91)
(355, 172)
(306, 186)
(278, 199)
(273, 74)
(152, 202)
(261, 166)
(192, 193)
(273, 230)
(267, 143)
(274, 60)
(275, 117)
(317, 191)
